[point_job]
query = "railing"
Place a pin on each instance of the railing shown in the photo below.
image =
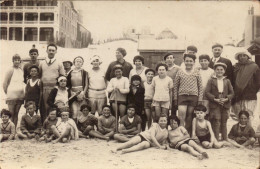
(3, 22)
(28, 7)
(30, 22)
(46, 22)
(15, 22)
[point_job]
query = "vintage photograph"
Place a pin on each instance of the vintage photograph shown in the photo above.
(129, 84)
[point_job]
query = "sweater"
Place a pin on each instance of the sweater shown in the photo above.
(126, 69)
(122, 84)
(31, 124)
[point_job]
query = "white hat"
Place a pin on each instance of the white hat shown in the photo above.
(243, 52)
(94, 58)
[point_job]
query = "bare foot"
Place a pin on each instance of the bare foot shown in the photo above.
(205, 155)
(65, 140)
(123, 152)
(55, 141)
(200, 157)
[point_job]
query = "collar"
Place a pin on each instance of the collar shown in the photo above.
(48, 60)
(77, 70)
(217, 59)
(120, 62)
(240, 125)
(32, 115)
(215, 77)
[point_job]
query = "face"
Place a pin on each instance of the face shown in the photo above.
(136, 82)
(16, 62)
(5, 118)
(243, 119)
(118, 73)
(85, 111)
(52, 115)
(242, 58)
(220, 71)
(138, 63)
(63, 83)
(30, 109)
(66, 65)
(106, 112)
(130, 112)
(161, 70)
(96, 63)
(51, 51)
(204, 63)
(191, 52)
(169, 60)
(65, 116)
(149, 76)
(174, 124)
(217, 51)
(189, 62)
(78, 63)
(200, 114)
(119, 55)
(34, 72)
(34, 56)
(162, 122)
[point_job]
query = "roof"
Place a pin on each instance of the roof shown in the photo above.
(166, 34)
(162, 44)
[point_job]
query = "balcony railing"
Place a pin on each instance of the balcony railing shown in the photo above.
(30, 22)
(15, 22)
(3, 22)
(28, 7)
(46, 22)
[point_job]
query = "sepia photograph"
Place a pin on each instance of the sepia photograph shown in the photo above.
(129, 84)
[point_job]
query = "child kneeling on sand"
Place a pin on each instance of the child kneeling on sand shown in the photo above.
(202, 129)
(47, 135)
(7, 127)
(65, 129)
(130, 125)
(179, 138)
(30, 123)
(242, 133)
(156, 136)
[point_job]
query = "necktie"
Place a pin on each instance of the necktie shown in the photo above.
(49, 62)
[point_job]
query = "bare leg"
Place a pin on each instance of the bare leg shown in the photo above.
(16, 111)
(250, 142)
(55, 131)
(133, 141)
(188, 120)
(121, 138)
(157, 113)
(182, 109)
(234, 143)
(140, 146)
(110, 134)
(21, 135)
(1, 137)
(66, 133)
(122, 110)
(217, 144)
(205, 144)
(98, 135)
(196, 146)
(190, 150)
(149, 117)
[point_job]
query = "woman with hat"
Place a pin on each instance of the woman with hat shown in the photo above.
(97, 85)
(246, 85)
(139, 68)
(67, 64)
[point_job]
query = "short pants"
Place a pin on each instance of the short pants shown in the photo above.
(163, 104)
(179, 144)
(204, 138)
(189, 100)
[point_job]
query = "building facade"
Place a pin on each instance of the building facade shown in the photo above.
(41, 21)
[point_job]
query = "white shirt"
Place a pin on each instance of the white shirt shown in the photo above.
(48, 60)
(220, 85)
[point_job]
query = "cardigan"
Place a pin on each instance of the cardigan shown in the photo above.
(31, 124)
(84, 77)
(126, 69)
(212, 92)
(53, 94)
(236, 132)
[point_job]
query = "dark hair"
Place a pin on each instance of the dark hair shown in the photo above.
(193, 57)
(162, 115)
(122, 51)
(68, 61)
(149, 70)
(192, 48)
(204, 56)
(136, 77)
(138, 57)
(33, 50)
(78, 57)
(6, 112)
(34, 66)
(85, 106)
(117, 67)
(29, 103)
(161, 64)
(200, 108)
(57, 83)
(130, 106)
(16, 56)
(52, 44)
(168, 54)
(243, 112)
(175, 118)
(106, 106)
(53, 109)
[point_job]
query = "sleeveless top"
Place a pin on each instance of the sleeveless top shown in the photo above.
(32, 90)
(15, 90)
(200, 131)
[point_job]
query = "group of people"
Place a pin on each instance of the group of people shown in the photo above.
(195, 101)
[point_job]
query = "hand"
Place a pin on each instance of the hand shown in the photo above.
(224, 100)
(200, 102)
(243, 138)
(218, 101)
(210, 145)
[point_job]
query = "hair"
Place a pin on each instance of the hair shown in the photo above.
(138, 57)
(34, 66)
(106, 106)
(136, 77)
(161, 64)
(193, 57)
(29, 103)
(122, 51)
(204, 56)
(168, 54)
(85, 106)
(68, 61)
(33, 50)
(53, 109)
(130, 106)
(192, 48)
(220, 64)
(52, 44)
(149, 70)
(57, 83)
(78, 57)
(16, 56)
(175, 118)
(6, 112)
(162, 115)
(117, 67)
(200, 108)
(243, 112)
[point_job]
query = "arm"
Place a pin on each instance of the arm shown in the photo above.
(154, 139)
(176, 86)
(110, 87)
(194, 129)
(25, 73)
(123, 130)
(100, 127)
(86, 84)
(231, 134)
(200, 88)
(61, 69)
(212, 136)
(126, 89)
(107, 75)
(170, 92)
(7, 80)
(51, 98)
(208, 93)
(39, 126)
(44, 127)
(41, 93)
(137, 131)
(230, 91)
(11, 137)
(23, 126)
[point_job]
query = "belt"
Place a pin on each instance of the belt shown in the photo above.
(97, 89)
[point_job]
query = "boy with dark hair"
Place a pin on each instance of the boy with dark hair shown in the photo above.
(7, 127)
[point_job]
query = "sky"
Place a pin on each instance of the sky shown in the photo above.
(203, 21)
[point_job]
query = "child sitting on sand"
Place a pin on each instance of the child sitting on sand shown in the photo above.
(179, 138)
(31, 123)
(65, 129)
(106, 122)
(130, 125)
(202, 129)
(7, 127)
(156, 136)
(86, 123)
(47, 134)
(242, 133)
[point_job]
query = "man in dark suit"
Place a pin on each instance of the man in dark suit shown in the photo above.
(217, 50)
